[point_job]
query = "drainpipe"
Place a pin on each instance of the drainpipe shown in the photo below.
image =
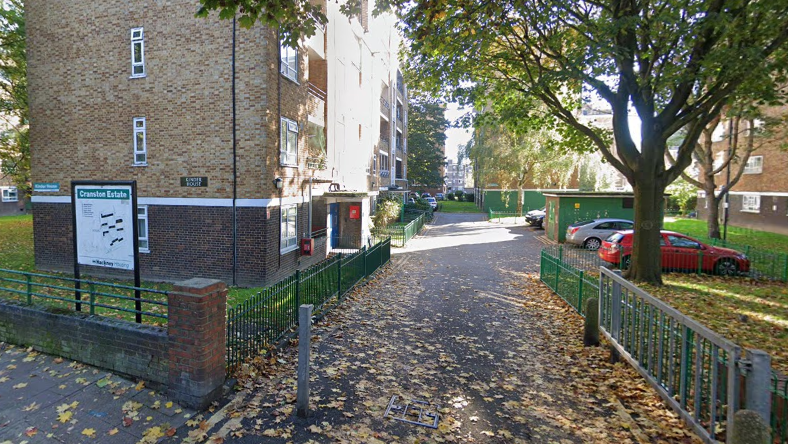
(235, 172)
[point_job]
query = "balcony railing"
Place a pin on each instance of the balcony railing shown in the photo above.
(384, 143)
(385, 107)
(384, 173)
(316, 91)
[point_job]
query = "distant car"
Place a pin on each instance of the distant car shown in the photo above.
(590, 233)
(439, 196)
(679, 253)
(425, 195)
(433, 203)
(535, 218)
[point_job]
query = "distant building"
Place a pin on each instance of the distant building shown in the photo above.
(459, 177)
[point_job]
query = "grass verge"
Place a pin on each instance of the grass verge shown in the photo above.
(452, 206)
(765, 240)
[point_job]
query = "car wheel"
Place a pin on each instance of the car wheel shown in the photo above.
(592, 243)
(626, 262)
(727, 267)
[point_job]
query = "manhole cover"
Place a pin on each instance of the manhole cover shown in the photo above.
(412, 412)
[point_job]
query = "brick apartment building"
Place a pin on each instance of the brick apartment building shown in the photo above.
(236, 142)
(760, 199)
(459, 177)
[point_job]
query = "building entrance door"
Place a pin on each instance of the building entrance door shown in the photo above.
(333, 225)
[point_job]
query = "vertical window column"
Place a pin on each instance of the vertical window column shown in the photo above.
(140, 142)
(142, 228)
(137, 53)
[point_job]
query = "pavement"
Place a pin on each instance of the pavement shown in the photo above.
(47, 399)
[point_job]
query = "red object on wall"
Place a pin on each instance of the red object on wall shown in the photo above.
(355, 212)
(307, 246)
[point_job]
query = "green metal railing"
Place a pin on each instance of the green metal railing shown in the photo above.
(763, 263)
(572, 284)
(264, 319)
(692, 368)
(94, 297)
(503, 215)
(400, 234)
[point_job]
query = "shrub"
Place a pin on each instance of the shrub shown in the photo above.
(388, 211)
(469, 197)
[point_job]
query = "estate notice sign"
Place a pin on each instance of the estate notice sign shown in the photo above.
(104, 225)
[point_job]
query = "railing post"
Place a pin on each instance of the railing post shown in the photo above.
(700, 262)
(297, 292)
(364, 250)
(758, 382)
(304, 340)
(615, 310)
(580, 293)
(92, 290)
(29, 289)
(339, 275)
(785, 267)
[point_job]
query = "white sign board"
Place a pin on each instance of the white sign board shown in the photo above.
(104, 225)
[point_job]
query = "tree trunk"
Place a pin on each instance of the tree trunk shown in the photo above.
(646, 261)
(713, 218)
(520, 194)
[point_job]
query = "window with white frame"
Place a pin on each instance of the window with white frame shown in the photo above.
(754, 165)
(288, 235)
(288, 64)
(140, 141)
(751, 203)
(137, 52)
(384, 161)
(9, 194)
(142, 228)
(288, 142)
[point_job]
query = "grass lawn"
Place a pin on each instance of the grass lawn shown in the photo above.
(452, 206)
(16, 253)
(777, 243)
(751, 313)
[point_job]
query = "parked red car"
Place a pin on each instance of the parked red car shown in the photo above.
(679, 252)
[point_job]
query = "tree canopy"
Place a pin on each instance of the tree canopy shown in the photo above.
(426, 142)
(14, 142)
(674, 63)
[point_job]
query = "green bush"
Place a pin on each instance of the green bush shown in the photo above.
(469, 197)
(388, 211)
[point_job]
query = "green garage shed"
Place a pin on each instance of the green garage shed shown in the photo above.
(567, 207)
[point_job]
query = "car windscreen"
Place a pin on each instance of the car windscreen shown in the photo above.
(615, 238)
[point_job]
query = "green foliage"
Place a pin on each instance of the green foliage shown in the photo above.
(286, 15)
(426, 140)
(14, 141)
(683, 196)
(388, 211)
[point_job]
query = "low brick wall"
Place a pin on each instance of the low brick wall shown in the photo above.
(187, 358)
(121, 347)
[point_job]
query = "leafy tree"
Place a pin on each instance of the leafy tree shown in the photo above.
(426, 139)
(14, 141)
(674, 62)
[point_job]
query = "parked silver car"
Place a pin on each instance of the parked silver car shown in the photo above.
(590, 233)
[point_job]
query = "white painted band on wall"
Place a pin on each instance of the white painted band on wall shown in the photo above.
(192, 201)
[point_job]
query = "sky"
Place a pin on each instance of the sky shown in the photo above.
(455, 136)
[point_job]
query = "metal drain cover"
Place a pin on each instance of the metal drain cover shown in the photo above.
(413, 412)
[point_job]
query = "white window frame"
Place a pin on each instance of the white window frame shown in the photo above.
(751, 203)
(140, 126)
(138, 39)
(288, 148)
(9, 194)
(142, 217)
(288, 61)
(288, 239)
(384, 166)
(754, 165)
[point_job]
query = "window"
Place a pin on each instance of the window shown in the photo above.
(683, 242)
(288, 229)
(624, 225)
(751, 203)
(9, 194)
(288, 142)
(384, 162)
(754, 165)
(288, 64)
(140, 143)
(137, 53)
(399, 168)
(142, 228)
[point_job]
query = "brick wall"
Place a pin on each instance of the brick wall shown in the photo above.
(188, 358)
(129, 349)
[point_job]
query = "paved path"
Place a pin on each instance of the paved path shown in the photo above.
(459, 321)
(46, 399)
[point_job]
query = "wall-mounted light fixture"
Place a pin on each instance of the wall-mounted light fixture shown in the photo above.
(279, 183)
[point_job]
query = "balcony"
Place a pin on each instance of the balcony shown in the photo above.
(384, 144)
(385, 108)
(385, 173)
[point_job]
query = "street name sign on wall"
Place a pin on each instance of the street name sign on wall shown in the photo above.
(104, 225)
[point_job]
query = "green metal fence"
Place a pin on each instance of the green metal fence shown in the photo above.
(692, 368)
(504, 215)
(764, 263)
(400, 234)
(83, 295)
(262, 320)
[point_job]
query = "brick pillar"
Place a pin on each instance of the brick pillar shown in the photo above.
(196, 330)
